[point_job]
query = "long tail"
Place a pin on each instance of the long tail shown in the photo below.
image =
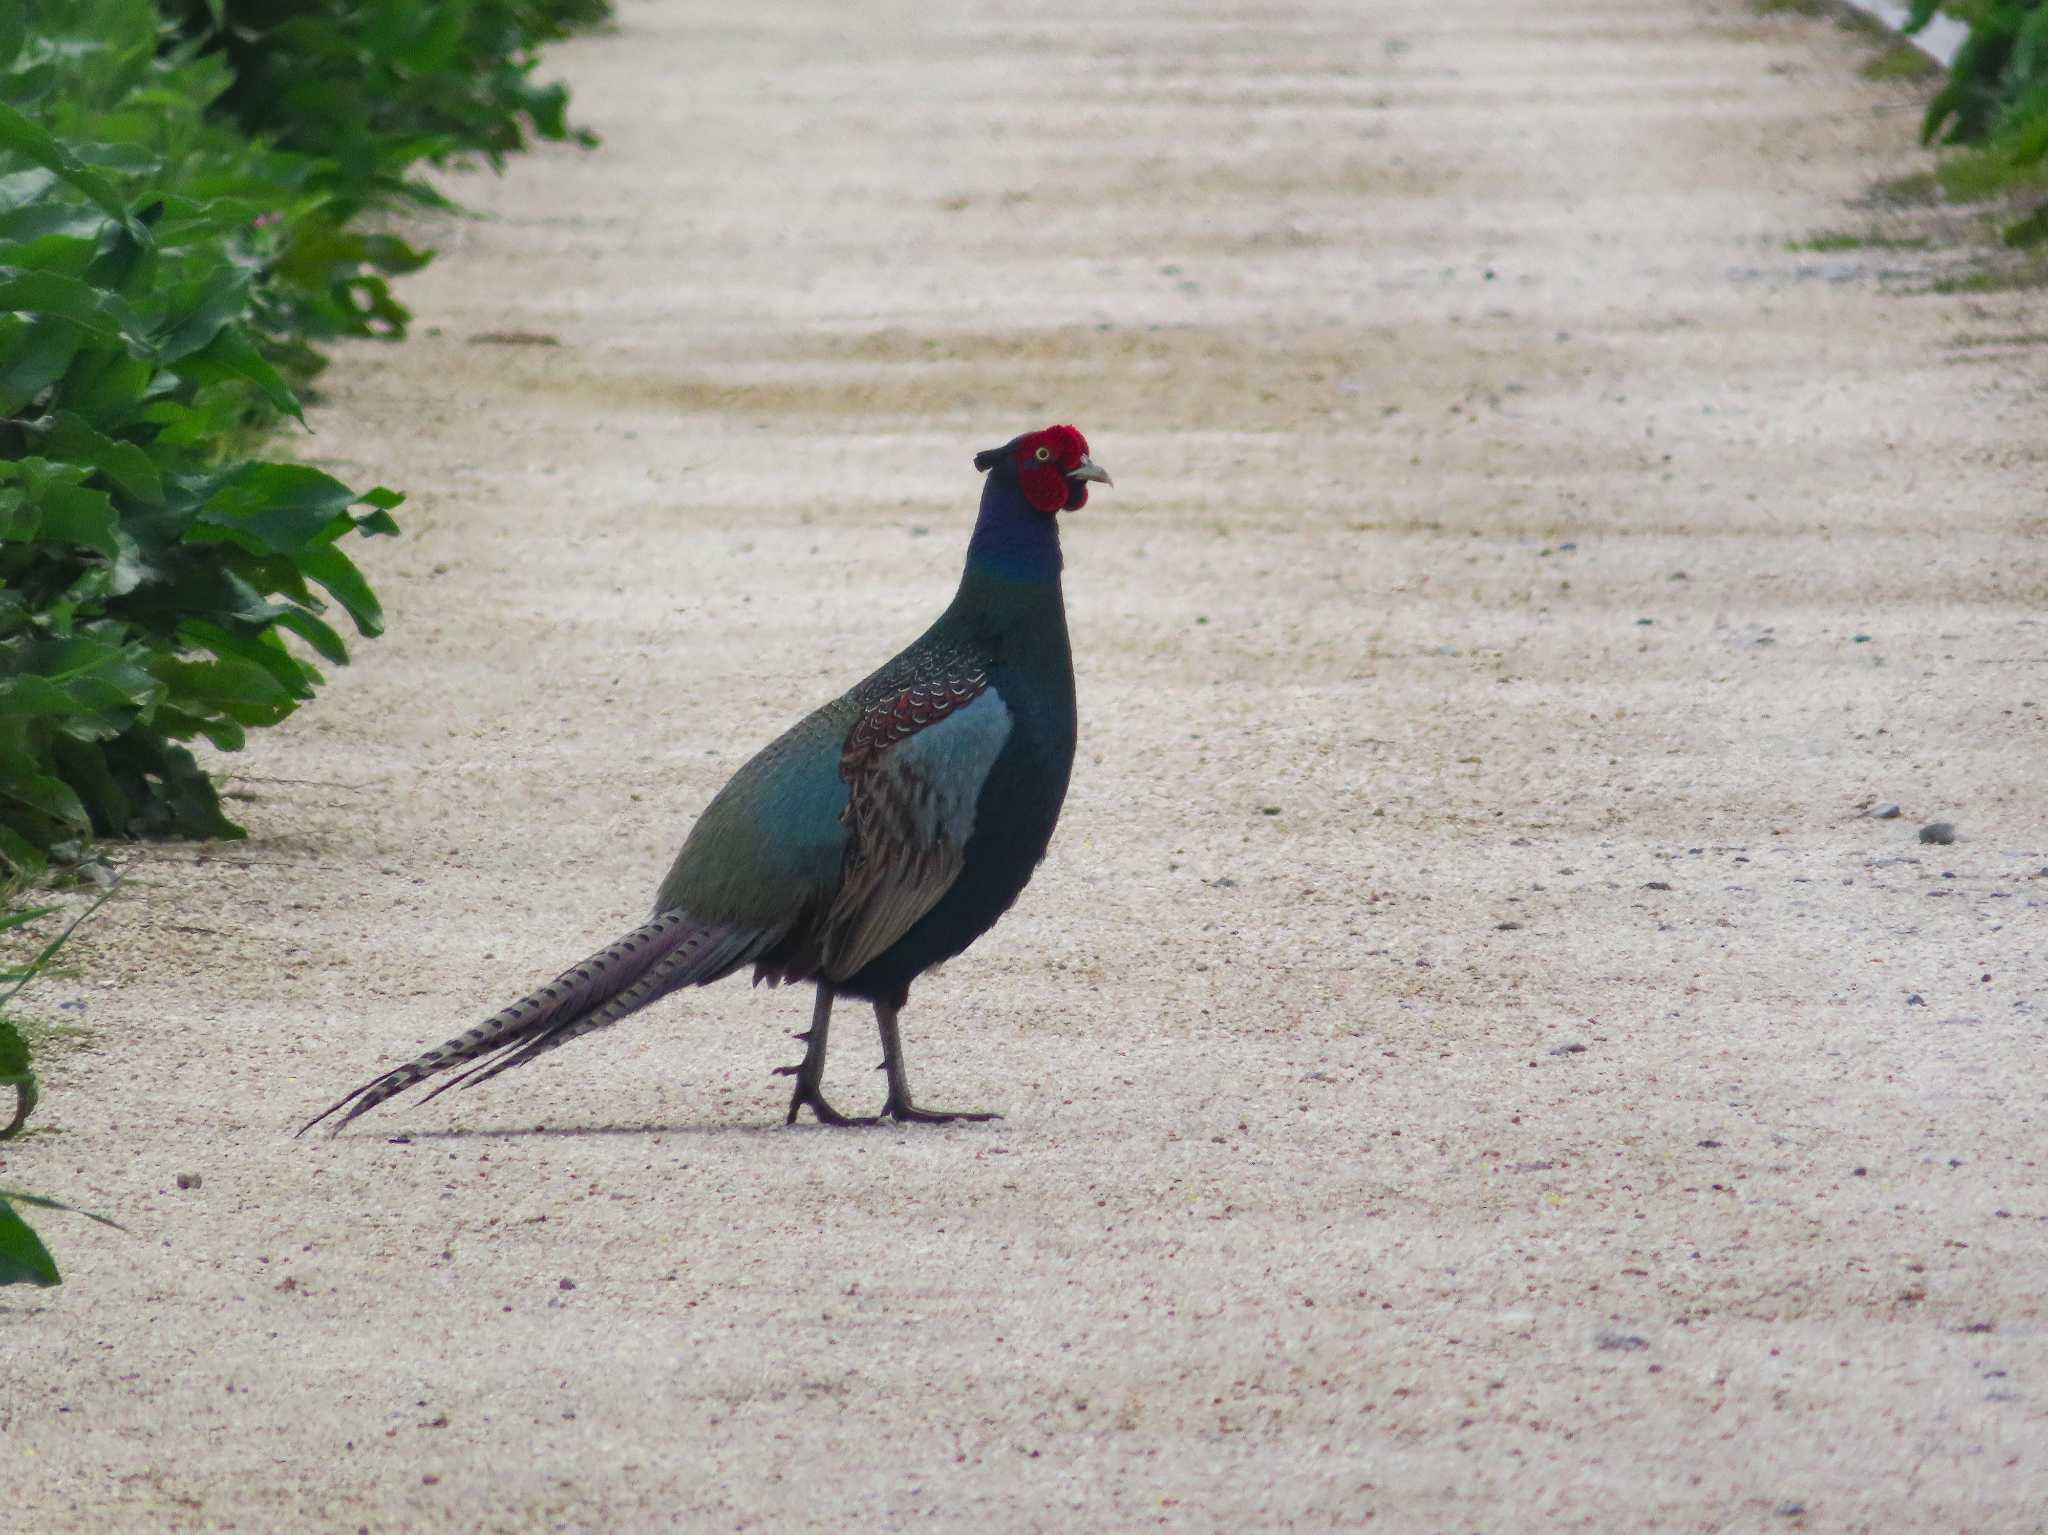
(652, 960)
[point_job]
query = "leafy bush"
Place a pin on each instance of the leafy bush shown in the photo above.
(180, 185)
(23, 1258)
(147, 579)
(1996, 98)
(364, 92)
(376, 86)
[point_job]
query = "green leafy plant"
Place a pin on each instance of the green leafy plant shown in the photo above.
(23, 1257)
(1996, 101)
(357, 95)
(149, 578)
(183, 185)
(376, 86)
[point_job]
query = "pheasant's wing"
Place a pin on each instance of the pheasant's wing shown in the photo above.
(913, 765)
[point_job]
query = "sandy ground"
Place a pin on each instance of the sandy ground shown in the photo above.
(1470, 1063)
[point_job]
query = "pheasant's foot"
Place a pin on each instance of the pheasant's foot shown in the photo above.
(907, 1113)
(807, 1093)
(810, 1073)
(899, 1107)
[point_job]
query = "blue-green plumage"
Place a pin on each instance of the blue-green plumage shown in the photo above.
(1017, 804)
(880, 835)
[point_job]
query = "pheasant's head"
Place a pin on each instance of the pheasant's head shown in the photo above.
(1051, 467)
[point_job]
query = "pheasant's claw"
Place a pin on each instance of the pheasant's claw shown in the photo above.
(910, 1114)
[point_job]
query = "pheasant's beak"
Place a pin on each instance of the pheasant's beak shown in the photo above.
(1088, 469)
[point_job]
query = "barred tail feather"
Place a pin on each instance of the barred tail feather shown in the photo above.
(670, 951)
(692, 965)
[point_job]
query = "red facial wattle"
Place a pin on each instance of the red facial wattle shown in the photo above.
(1051, 468)
(1045, 464)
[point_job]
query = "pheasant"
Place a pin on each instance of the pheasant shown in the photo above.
(877, 837)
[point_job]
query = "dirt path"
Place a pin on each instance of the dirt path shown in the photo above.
(1469, 1063)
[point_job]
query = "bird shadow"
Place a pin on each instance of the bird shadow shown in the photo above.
(706, 1129)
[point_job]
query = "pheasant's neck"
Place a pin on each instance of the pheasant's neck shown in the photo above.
(1012, 539)
(1009, 603)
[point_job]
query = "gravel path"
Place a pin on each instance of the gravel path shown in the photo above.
(1470, 1062)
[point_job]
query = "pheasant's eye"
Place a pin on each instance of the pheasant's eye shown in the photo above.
(1042, 454)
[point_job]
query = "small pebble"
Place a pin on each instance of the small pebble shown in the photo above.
(1885, 813)
(1623, 1342)
(1916, 1000)
(188, 1180)
(567, 1284)
(1940, 832)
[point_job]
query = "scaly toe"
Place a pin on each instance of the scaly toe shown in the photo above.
(911, 1114)
(827, 1115)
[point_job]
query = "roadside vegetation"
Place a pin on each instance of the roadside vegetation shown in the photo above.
(194, 201)
(1993, 108)
(1988, 115)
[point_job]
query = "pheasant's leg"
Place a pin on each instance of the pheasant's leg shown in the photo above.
(899, 1106)
(811, 1073)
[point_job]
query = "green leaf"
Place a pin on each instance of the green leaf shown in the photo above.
(226, 735)
(259, 650)
(49, 950)
(325, 642)
(70, 298)
(15, 1073)
(198, 310)
(241, 690)
(84, 766)
(44, 1202)
(49, 796)
(231, 355)
(22, 855)
(73, 438)
(337, 572)
(2031, 230)
(16, 919)
(34, 698)
(25, 138)
(184, 801)
(34, 354)
(122, 159)
(73, 514)
(23, 1258)
(27, 226)
(282, 508)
